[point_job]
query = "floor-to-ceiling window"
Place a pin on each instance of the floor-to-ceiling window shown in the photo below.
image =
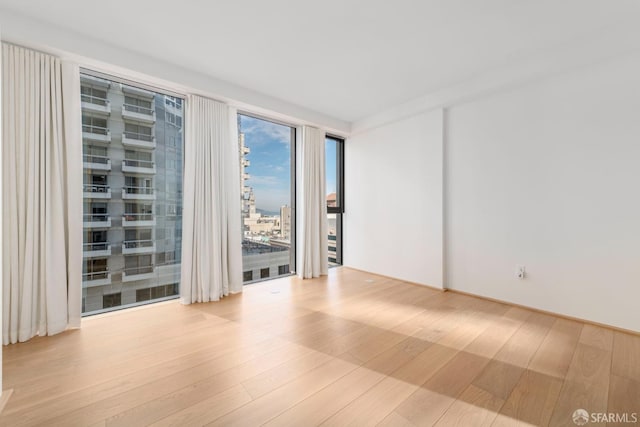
(267, 188)
(132, 158)
(335, 197)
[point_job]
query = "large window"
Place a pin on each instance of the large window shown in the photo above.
(267, 188)
(132, 201)
(335, 197)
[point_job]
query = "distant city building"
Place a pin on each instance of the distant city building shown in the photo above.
(285, 222)
(248, 199)
(332, 231)
(331, 200)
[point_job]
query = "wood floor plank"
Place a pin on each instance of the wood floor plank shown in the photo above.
(499, 378)
(624, 397)
(504, 371)
(283, 373)
(146, 366)
(556, 351)
(474, 407)
(150, 410)
(597, 336)
(500, 330)
(263, 409)
(520, 349)
(531, 402)
(373, 406)
(107, 399)
(207, 410)
(626, 356)
(378, 402)
(395, 420)
(318, 407)
(586, 385)
(430, 401)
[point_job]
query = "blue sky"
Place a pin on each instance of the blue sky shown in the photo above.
(270, 157)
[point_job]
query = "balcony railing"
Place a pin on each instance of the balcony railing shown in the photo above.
(138, 247)
(96, 249)
(138, 220)
(138, 166)
(96, 246)
(138, 109)
(91, 161)
(103, 102)
(96, 278)
(138, 163)
(95, 191)
(139, 140)
(96, 217)
(96, 275)
(90, 158)
(139, 136)
(136, 244)
(138, 190)
(138, 113)
(138, 217)
(138, 193)
(97, 130)
(138, 273)
(96, 133)
(96, 188)
(146, 269)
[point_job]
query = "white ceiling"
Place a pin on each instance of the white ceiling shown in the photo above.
(347, 59)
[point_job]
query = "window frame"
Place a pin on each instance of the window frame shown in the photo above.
(293, 174)
(180, 100)
(338, 210)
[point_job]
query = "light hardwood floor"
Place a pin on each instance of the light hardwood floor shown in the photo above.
(349, 349)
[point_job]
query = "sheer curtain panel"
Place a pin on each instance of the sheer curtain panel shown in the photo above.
(42, 194)
(313, 252)
(211, 235)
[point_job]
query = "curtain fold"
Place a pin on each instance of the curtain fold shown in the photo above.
(42, 192)
(312, 251)
(211, 236)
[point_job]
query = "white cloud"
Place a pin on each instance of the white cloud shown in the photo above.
(266, 180)
(267, 129)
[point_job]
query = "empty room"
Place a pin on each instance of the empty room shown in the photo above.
(304, 213)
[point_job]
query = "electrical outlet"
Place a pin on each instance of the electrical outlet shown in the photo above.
(520, 272)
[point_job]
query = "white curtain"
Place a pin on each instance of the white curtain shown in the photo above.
(312, 219)
(42, 194)
(211, 236)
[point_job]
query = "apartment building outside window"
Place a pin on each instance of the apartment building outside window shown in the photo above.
(129, 135)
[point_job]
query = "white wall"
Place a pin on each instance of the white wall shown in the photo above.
(393, 207)
(547, 176)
